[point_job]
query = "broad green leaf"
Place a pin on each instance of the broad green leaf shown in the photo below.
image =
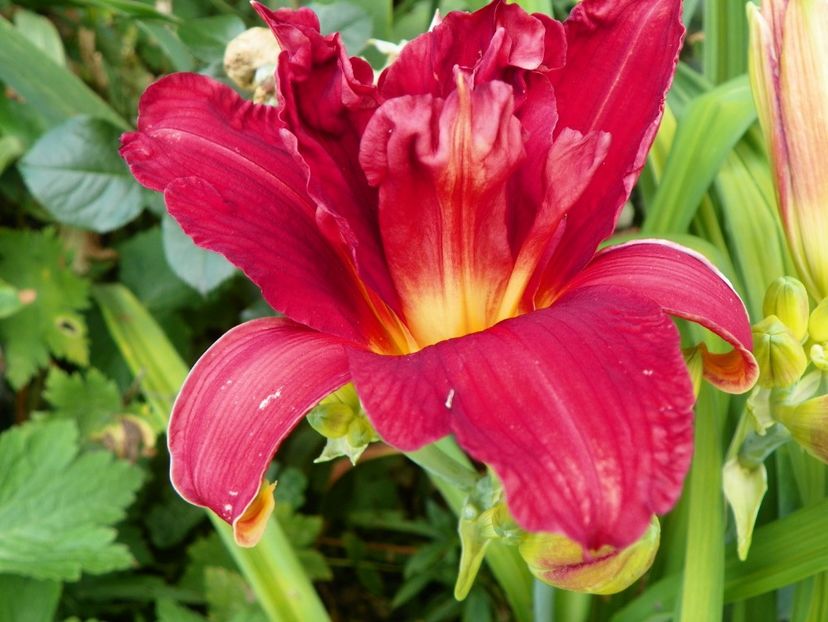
(348, 19)
(706, 133)
(167, 610)
(201, 269)
(41, 32)
(55, 92)
(28, 600)
(229, 598)
(133, 8)
(145, 271)
(167, 39)
(50, 324)
(57, 505)
(208, 36)
(783, 552)
(380, 11)
(725, 40)
(75, 172)
(89, 400)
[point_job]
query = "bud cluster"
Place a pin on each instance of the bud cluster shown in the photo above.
(340, 419)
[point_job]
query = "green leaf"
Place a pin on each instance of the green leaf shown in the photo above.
(50, 324)
(706, 133)
(170, 43)
(207, 37)
(132, 8)
(28, 600)
(75, 172)
(167, 610)
(145, 271)
(783, 552)
(350, 20)
(229, 597)
(11, 148)
(10, 302)
(57, 505)
(55, 92)
(201, 269)
(90, 399)
(42, 33)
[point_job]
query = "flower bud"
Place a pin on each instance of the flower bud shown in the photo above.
(808, 424)
(780, 355)
(787, 299)
(744, 489)
(340, 419)
(818, 323)
(331, 420)
(562, 563)
(819, 357)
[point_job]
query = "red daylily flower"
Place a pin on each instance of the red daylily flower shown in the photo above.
(431, 238)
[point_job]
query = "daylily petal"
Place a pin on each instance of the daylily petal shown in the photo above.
(234, 182)
(619, 64)
(584, 410)
(442, 168)
(242, 398)
(686, 285)
(326, 101)
(491, 43)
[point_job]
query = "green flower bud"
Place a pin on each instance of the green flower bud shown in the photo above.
(780, 355)
(787, 299)
(360, 432)
(562, 563)
(818, 324)
(744, 489)
(331, 420)
(808, 425)
(819, 357)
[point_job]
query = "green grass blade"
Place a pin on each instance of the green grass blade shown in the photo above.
(54, 91)
(271, 568)
(703, 581)
(725, 40)
(706, 133)
(783, 552)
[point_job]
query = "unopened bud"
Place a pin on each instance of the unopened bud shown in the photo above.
(808, 424)
(818, 323)
(819, 357)
(744, 489)
(331, 420)
(340, 419)
(780, 355)
(787, 299)
(246, 55)
(562, 563)
(130, 438)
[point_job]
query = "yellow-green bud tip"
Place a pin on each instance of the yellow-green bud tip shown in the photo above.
(780, 355)
(818, 323)
(808, 424)
(562, 563)
(787, 299)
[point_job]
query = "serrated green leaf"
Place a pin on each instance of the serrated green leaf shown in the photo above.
(42, 33)
(28, 600)
(207, 37)
(55, 92)
(351, 21)
(10, 302)
(57, 505)
(171, 519)
(90, 399)
(75, 172)
(202, 269)
(50, 324)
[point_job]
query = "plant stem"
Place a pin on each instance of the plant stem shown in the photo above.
(438, 463)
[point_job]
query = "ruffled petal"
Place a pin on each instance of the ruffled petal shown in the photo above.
(326, 99)
(619, 64)
(241, 399)
(584, 410)
(686, 285)
(494, 43)
(442, 168)
(233, 180)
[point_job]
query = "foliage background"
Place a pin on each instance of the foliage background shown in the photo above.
(104, 302)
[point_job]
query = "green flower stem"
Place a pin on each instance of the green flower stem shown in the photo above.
(438, 463)
(504, 561)
(756, 448)
(275, 574)
(702, 593)
(271, 567)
